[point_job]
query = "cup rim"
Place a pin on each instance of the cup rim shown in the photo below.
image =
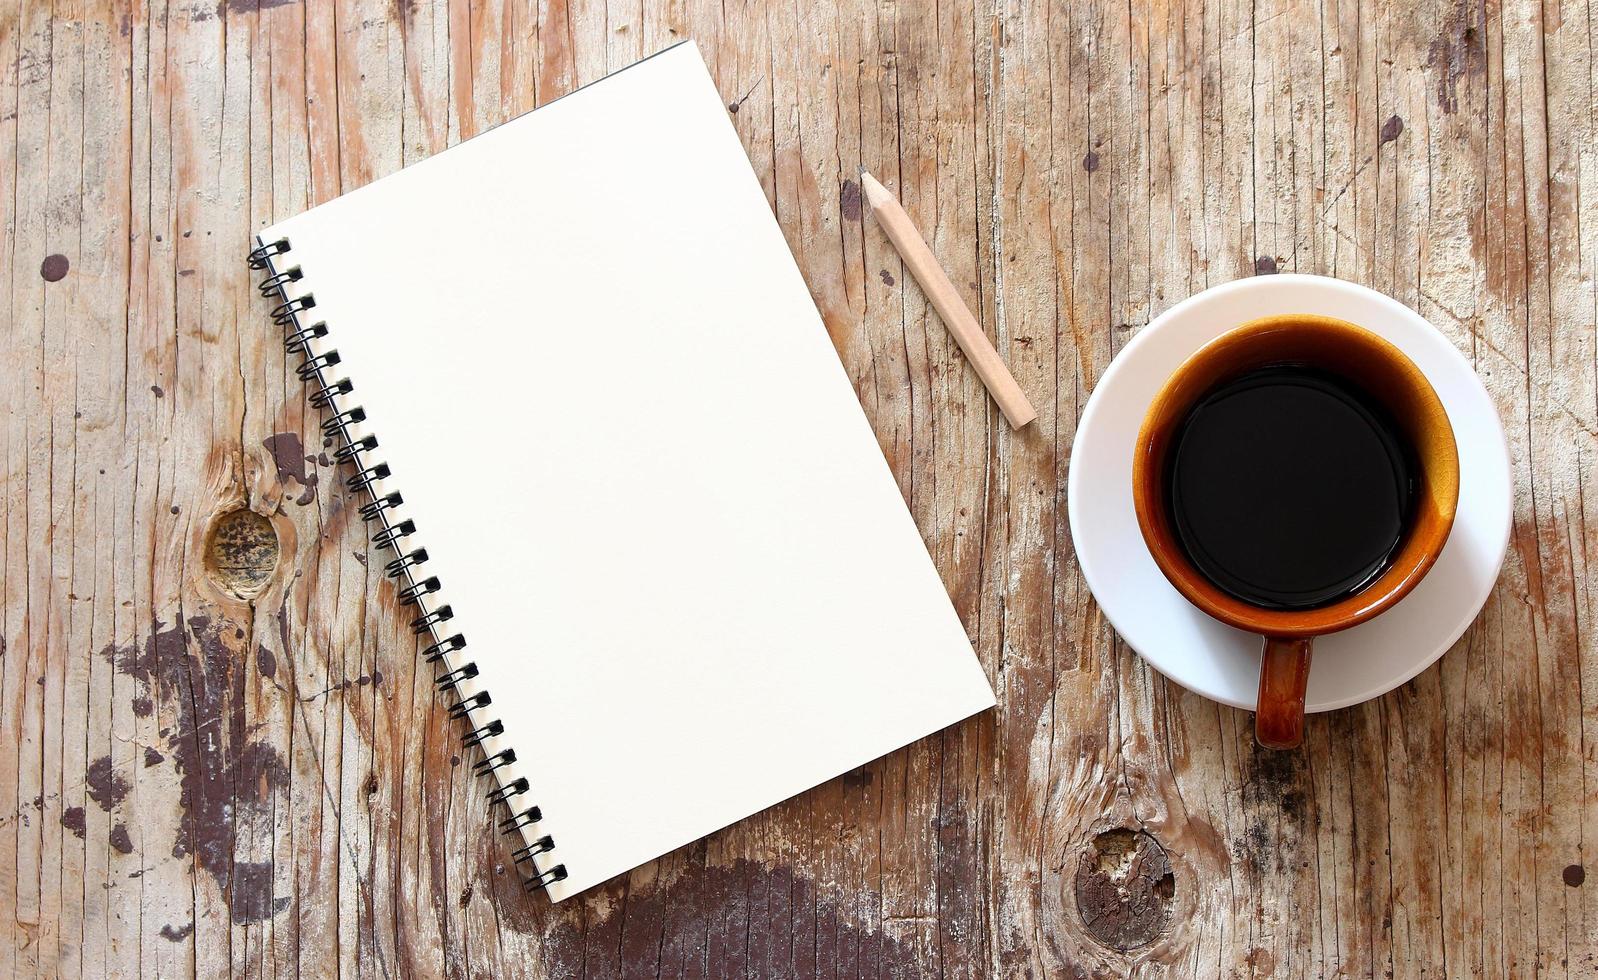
(1417, 555)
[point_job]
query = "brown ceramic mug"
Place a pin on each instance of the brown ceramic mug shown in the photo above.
(1396, 385)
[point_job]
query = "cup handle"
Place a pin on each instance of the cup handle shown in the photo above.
(1284, 677)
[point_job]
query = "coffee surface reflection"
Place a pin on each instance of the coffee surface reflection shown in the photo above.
(1290, 488)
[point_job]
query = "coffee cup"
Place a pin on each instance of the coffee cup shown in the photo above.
(1295, 477)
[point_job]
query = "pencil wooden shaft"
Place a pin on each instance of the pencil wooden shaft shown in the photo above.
(946, 300)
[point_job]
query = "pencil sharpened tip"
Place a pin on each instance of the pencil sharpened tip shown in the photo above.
(875, 193)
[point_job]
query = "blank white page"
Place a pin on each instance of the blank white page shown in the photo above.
(667, 532)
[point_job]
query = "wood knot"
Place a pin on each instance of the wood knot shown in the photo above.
(241, 551)
(1125, 889)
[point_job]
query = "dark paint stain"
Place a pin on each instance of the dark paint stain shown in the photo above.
(1090, 163)
(1125, 889)
(849, 201)
(120, 839)
(1392, 128)
(107, 787)
(1575, 875)
(745, 918)
(1283, 777)
(1265, 265)
(72, 819)
(156, 389)
(54, 267)
(1255, 850)
(225, 779)
(1262, 961)
(143, 706)
(225, 7)
(887, 277)
(265, 662)
(1456, 52)
(152, 757)
(252, 893)
(1256, 843)
(176, 935)
(288, 455)
(1276, 770)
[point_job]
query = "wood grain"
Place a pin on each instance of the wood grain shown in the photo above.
(236, 768)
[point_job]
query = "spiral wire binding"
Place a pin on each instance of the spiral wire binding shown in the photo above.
(405, 570)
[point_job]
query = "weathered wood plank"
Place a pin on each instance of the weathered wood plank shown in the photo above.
(199, 778)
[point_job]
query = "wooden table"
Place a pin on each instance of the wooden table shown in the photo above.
(217, 751)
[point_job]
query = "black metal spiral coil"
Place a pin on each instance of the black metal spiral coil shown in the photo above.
(412, 594)
(400, 566)
(466, 671)
(523, 818)
(413, 587)
(335, 426)
(312, 367)
(350, 450)
(275, 284)
(443, 648)
(493, 729)
(364, 479)
(504, 792)
(539, 846)
(299, 342)
(261, 254)
(425, 623)
(471, 702)
(373, 509)
(323, 396)
(544, 879)
(285, 313)
(389, 537)
(498, 760)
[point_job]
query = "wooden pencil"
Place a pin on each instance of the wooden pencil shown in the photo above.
(918, 258)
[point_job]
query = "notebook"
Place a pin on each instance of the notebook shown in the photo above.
(650, 544)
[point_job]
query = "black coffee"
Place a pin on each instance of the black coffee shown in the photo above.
(1290, 488)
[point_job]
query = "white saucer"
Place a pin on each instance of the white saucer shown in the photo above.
(1223, 663)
